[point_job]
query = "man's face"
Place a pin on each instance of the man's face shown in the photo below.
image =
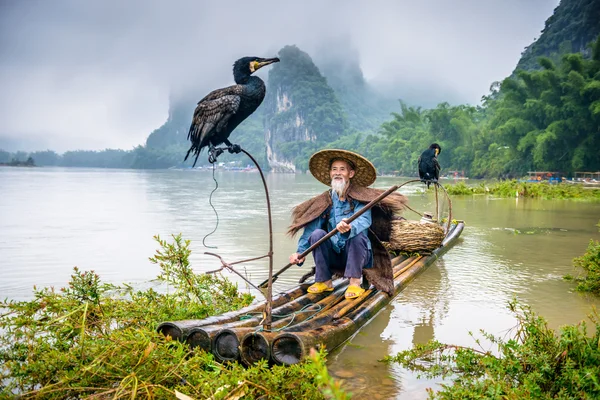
(341, 171)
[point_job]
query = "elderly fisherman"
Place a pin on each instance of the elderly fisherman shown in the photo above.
(356, 249)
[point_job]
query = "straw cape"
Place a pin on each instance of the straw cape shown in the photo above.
(382, 215)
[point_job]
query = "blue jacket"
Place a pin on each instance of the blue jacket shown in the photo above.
(331, 217)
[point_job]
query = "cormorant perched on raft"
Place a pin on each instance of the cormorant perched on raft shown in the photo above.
(222, 110)
(429, 167)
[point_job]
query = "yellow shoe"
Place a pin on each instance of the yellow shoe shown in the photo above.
(353, 292)
(319, 287)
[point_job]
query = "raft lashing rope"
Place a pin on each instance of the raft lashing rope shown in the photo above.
(301, 320)
(309, 308)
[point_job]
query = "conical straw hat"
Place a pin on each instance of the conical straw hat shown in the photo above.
(320, 164)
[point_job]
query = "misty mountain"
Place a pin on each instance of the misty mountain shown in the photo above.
(302, 112)
(366, 108)
(175, 129)
(570, 29)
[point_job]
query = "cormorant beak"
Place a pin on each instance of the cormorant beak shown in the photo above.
(265, 61)
(437, 151)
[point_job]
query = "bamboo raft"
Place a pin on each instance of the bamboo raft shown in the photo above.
(304, 320)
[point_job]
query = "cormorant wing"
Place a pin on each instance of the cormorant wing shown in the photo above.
(421, 172)
(229, 90)
(213, 112)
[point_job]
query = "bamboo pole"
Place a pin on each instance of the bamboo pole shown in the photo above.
(413, 262)
(355, 302)
(226, 344)
(293, 347)
(256, 346)
(400, 262)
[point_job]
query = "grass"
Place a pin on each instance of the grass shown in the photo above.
(525, 189)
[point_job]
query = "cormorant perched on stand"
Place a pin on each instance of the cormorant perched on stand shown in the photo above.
(222, 110)
(429, 167)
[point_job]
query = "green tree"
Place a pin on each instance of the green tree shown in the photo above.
(547, 118)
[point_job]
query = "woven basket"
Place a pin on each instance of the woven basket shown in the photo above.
(415, 237)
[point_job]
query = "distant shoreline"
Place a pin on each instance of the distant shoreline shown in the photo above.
(17, 165)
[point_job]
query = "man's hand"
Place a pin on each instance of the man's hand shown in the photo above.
(294, 259)
(343, 226)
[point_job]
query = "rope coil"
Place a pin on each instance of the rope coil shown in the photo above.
(214, 209)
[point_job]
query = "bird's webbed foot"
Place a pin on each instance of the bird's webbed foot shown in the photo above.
(214, 153)
(234, 148)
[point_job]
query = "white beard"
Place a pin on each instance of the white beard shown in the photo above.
(339, 186)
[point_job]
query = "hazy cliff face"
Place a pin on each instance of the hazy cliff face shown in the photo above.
(301, 111)
(284, 124)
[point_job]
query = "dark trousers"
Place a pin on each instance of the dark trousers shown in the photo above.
(351, 259)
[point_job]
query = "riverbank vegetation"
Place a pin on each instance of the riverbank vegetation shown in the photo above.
(99, 340)
(589, 263)
(535, 363)
(513, 188)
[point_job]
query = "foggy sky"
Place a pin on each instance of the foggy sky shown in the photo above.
(98, 74)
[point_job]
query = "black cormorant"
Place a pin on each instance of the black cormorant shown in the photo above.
(222, 110)
(429, 167)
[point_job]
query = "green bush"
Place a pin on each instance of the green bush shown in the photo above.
(590, 263)
(100, 340)
(536, 363)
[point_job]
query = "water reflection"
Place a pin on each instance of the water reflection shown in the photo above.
(357, 363)
(423, 331)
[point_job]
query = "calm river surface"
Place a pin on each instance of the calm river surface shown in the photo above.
(52, 219)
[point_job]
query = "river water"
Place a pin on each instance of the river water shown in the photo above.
(52, 219)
